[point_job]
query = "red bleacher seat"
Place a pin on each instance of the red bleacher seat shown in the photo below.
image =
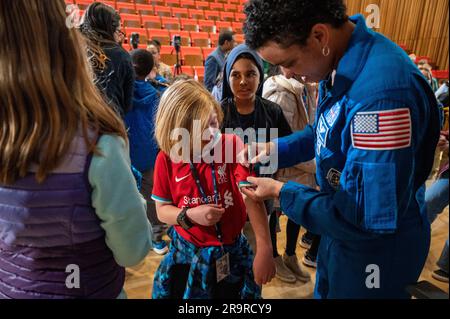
(239, 38)
(202, 5)
(151, 22)
(207, 25)
(215, 6)
(227, 16)
(180, 12)
(126, 7)
(206, 52)
(145, 9)
(190, 4)
(239, 17)
(237, 27)
(162, 36)
(196, 14)
(212, 15)
(171, 23)
(168, 55)
(189, 24)
(223, 25)
(173, 3)
(162, 11)
(440, 75)
(229, 8)
(200, 39)
(131, 20)
(192, 56)
(185, 37)
(200, 72)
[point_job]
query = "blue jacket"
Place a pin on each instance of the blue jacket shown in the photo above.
(371, 175)
(213, 66)
(140, 122)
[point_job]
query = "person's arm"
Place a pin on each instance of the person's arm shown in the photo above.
(118, 203)
(211, 71)
(376, 182)
(296, 148)
(263, 264)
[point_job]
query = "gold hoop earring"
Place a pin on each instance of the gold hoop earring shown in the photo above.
(326, 51)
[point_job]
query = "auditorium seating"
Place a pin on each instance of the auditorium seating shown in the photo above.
(197, 22)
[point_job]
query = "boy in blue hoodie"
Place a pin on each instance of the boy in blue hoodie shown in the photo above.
(143, 147)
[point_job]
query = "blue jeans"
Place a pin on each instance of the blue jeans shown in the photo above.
(436, 198)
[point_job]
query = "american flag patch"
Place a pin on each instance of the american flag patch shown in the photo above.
(382, 130)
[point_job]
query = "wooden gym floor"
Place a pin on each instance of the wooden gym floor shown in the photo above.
(139, 279)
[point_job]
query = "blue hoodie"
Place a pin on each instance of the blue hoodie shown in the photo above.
(140, 122)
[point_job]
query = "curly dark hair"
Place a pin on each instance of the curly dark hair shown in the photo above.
(288, 22)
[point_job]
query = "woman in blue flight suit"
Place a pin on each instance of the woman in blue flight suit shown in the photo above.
(376, 130)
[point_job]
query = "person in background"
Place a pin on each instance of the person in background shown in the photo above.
(298, 102)
(140, 122)
(426, 70)
(162, 72)
(216, 60)
(114, 74)
(67, 194)
(436, 198)
(245, 108)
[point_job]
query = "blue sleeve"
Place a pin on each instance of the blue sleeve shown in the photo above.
(211, 72)
(379, 182)
(296, 148)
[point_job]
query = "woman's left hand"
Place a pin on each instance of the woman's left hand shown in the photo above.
(262, 188)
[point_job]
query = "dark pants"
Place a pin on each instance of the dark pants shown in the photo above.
(221, 290)
(158, 227)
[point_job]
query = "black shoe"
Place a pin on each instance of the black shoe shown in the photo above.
(309, 260)
(440, 275)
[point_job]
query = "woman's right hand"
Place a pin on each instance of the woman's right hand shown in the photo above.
(206, 215)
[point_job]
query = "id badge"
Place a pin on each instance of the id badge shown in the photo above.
(223, 267)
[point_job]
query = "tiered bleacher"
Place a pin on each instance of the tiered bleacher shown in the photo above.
(197, 22)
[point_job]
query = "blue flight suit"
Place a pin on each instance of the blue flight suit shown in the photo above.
(370, 210)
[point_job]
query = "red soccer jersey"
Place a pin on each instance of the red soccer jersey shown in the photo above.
(174, 183)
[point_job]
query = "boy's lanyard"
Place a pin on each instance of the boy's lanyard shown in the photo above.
(203, 194)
